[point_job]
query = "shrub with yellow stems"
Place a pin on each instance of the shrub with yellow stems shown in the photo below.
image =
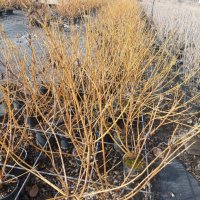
(77, 8)
(106, 83)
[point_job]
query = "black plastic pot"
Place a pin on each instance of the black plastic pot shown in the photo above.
(76, 20)
(3, 112)
(9, 11)
(31, 121)
(175, 180)
(16, 171)
(44, 90)
(14, 191)
(17, 105)
(108, 138)
(40, 139)
(65, 143)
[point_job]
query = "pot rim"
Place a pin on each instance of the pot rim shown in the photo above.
(15, 189)
(25, 151)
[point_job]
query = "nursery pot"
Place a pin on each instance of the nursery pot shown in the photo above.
(50, 139)
(3, 111)
(44, 90)
(10, 189)
(9, 11)
(65, 143)
(23, 156)
(40, 139)
(76, 20)
(17, 105)
(31, 121)
(107, 137)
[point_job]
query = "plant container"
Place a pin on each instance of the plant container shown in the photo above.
(65, 143)
(17, 105)
(40, 139)
(1, 12)
(3, 112)
(31, 121)
(9, 190)
(22, 154)
(9, 11)
(44, 91)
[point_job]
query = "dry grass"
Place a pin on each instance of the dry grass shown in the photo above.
(104, 81)
(69, 9)
(15, 4)
(76, 8)
(7, 3)
(23, 4)
(179, 21)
